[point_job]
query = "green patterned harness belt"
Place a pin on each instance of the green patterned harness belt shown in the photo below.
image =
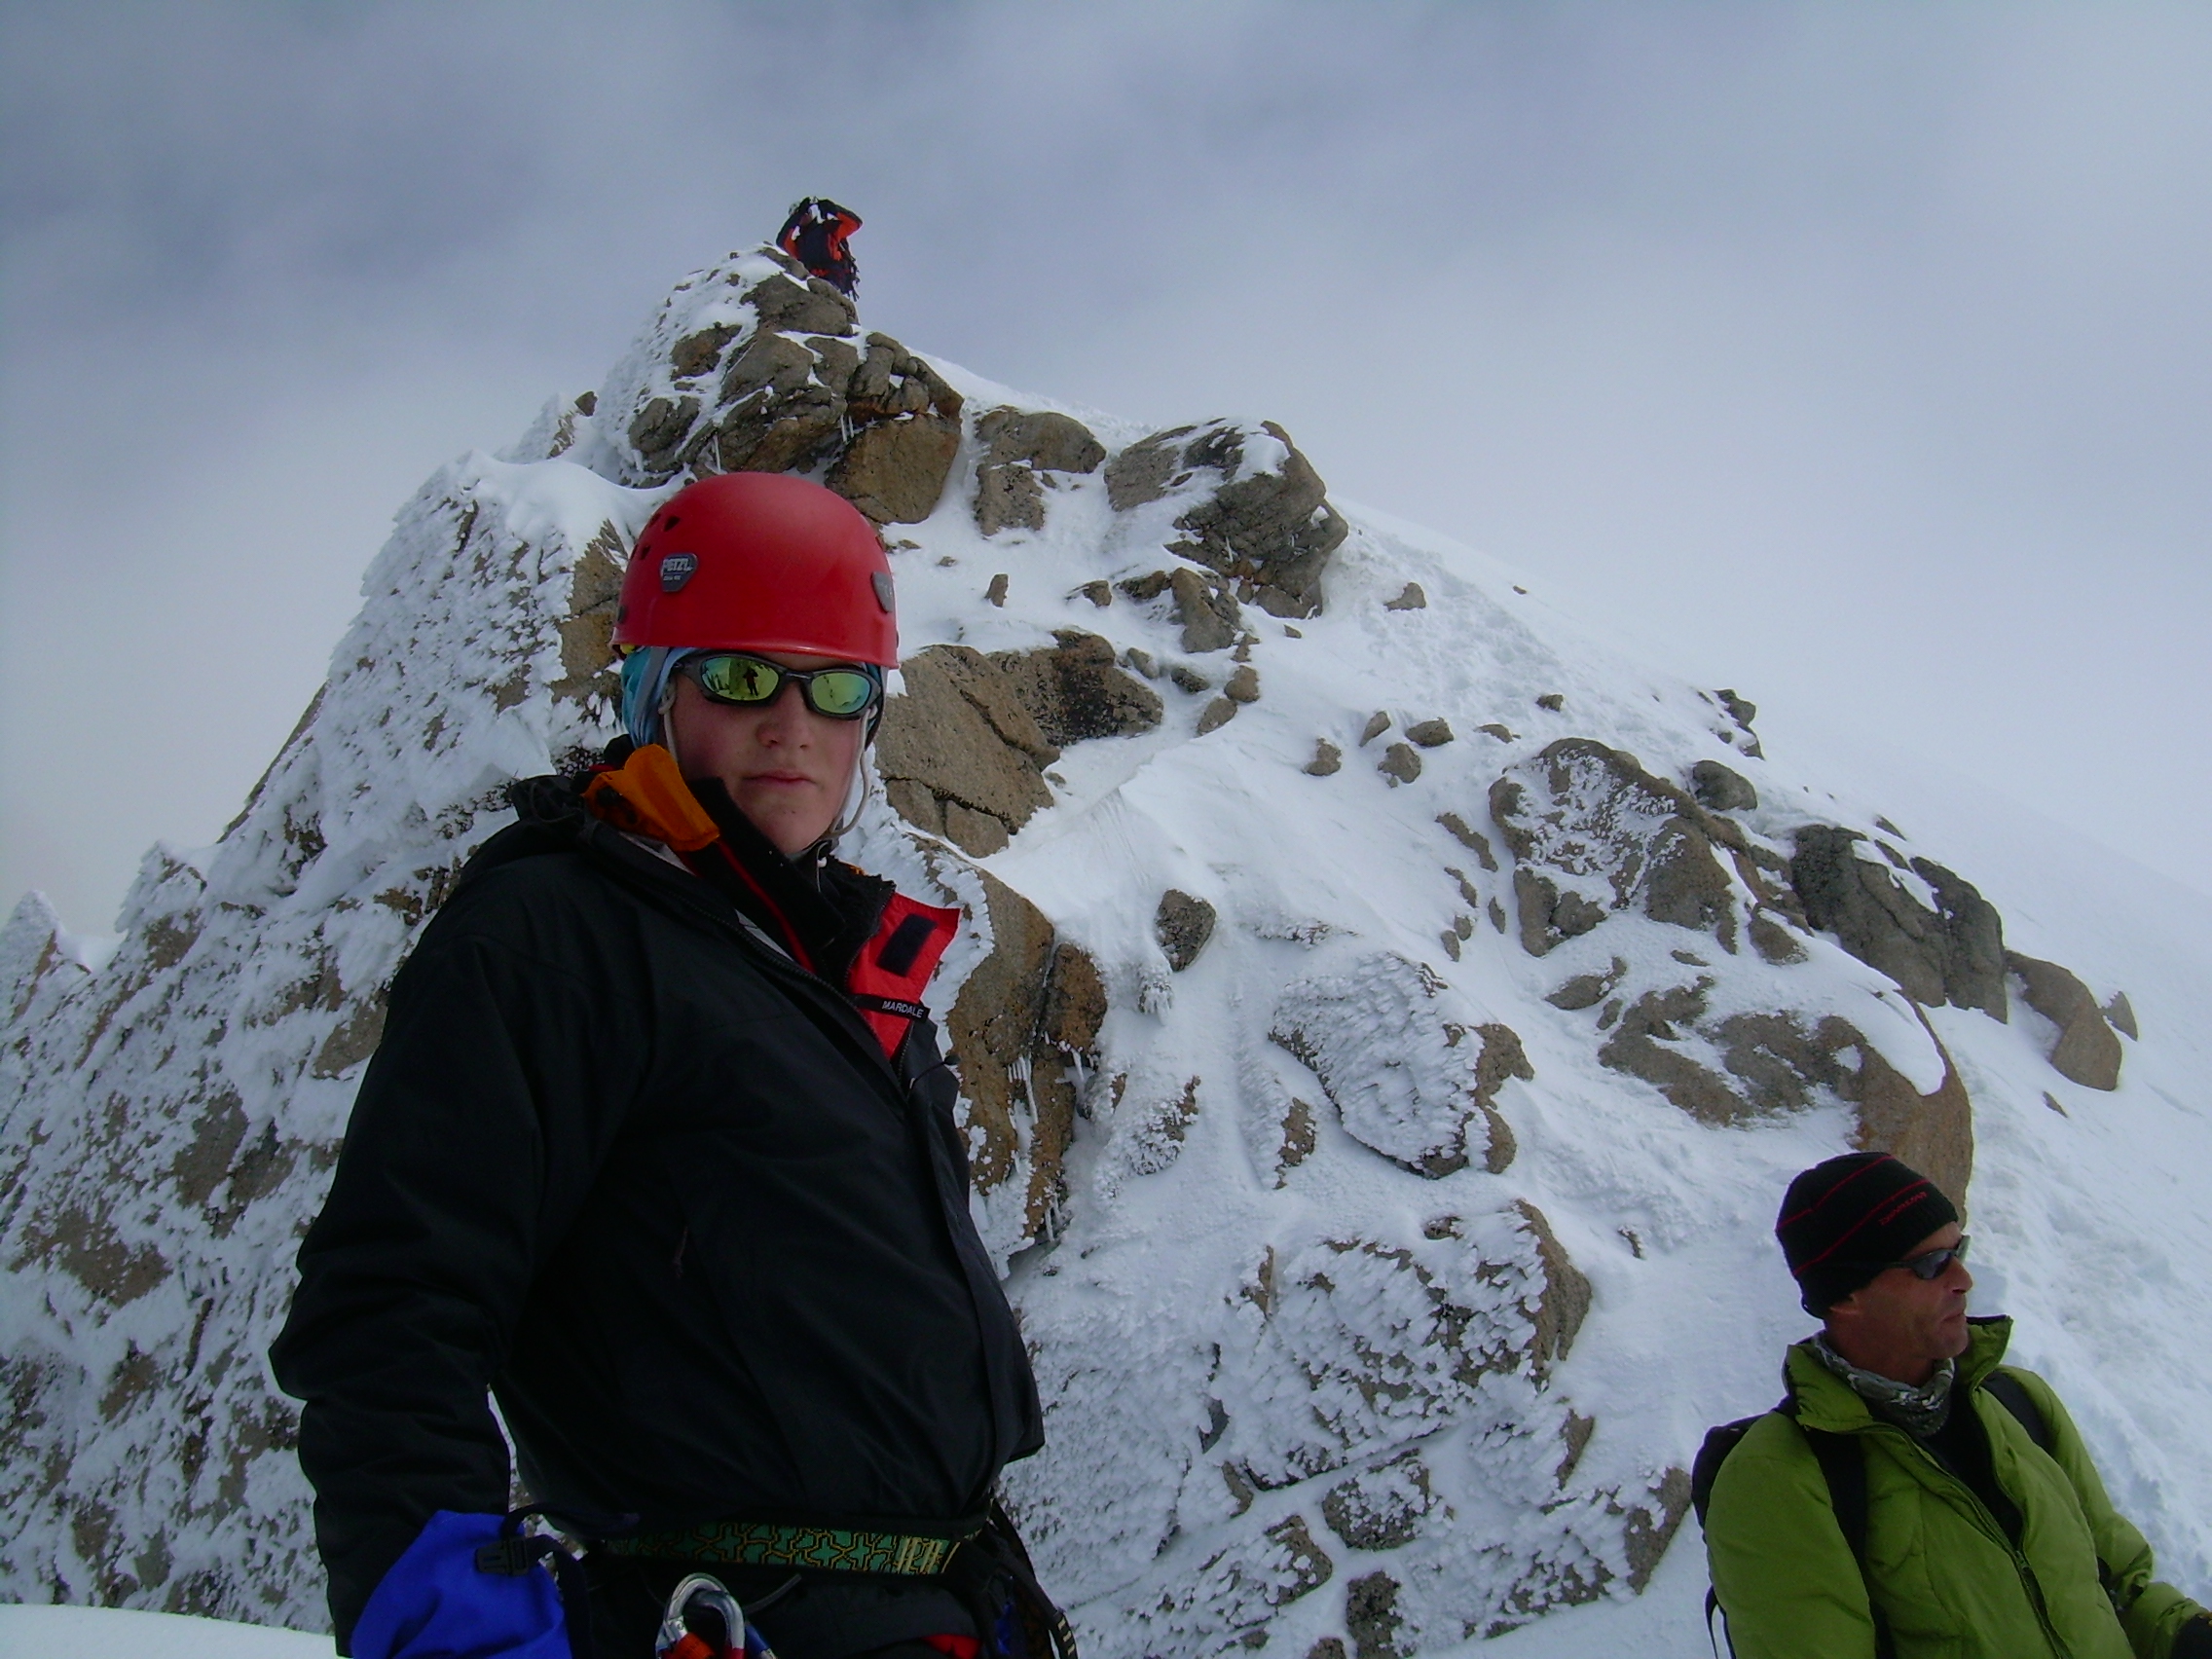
(765, 1543)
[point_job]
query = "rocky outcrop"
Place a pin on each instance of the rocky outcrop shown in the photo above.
(1024, 1017)
(1207, 610)
(1265, 521)
(1388, 1052)
(1593, 832)
(168, 1122)
(2086, 1052)
(1783, 1061)
(1021, 449)
(1075, 692)
(1183, 925)
(961, 757)
(1951, 952)
(964, 746)
(1381, 1508)
(761, 374)
(1932, 1132)
(1718, 788)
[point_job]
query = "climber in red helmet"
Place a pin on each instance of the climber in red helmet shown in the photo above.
(657, 1153)
(818, 235)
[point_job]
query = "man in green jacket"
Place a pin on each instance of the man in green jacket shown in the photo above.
(1979, 1543)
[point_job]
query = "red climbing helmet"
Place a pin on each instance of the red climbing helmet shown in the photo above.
(763, 562)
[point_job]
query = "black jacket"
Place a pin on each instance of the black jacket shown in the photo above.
(658, 1189)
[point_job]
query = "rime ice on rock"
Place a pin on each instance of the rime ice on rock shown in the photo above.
(1316, 1230)
(171, 1120)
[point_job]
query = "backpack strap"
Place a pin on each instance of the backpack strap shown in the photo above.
(2008, 1391)
(1843, 1464)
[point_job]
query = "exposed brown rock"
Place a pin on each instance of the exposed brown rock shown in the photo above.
(1718, 788)
(2119, 1013)
(1298, 1138)
(1372, 1618)
(587, 632)
(1400, 764)
(1327, 759)
(1588, 990)
(1026, 1008)
(813, 307)
(1244, 685)
(1932, 1132)
(895, 471)
(1584, 810)
(1641, 1047)
(1646, 1534)
(2086, 1052)
(1074, 691)
(1206, 608)
(1410, 598)
(1378, 723)
(796, 391)
(1273, 531)
(1955, 954)
(1183, 925)
(1565, 1300)
(1381, 1508)
(696, 354)
(1469, 838)
(1774, 942)
(960, 754)
(1550, 917)
(1216, 715)
(1430, 734)
(1019, 445)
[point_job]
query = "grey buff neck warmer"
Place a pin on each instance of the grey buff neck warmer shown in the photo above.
(1920, 1412)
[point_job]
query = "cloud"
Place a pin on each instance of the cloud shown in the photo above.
(1855, 356)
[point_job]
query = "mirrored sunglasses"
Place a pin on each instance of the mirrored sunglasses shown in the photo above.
(1929, 1264)
(844, 692)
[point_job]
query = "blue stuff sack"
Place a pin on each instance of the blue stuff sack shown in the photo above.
(469, 1587)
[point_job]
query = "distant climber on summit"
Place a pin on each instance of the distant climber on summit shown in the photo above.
(818, 235)
(1912, 1495)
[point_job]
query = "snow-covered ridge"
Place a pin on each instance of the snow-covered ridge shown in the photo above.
(1386, 1019)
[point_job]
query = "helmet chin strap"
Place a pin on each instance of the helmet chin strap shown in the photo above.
(855, 802)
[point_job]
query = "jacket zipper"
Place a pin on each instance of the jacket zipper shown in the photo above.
(1987, 1521)
(806, 981)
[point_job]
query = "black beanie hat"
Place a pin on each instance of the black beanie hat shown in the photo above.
(1844, 1221)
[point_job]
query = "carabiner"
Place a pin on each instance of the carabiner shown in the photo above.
(676, 1641)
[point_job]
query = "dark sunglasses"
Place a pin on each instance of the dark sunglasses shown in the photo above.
(1929, 1264)
(842, 692)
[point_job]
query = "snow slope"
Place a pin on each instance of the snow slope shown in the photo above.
(1404, 1245)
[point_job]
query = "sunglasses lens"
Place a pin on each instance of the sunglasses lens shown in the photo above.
(1932, 1265)
(840, 692)
(738, 679)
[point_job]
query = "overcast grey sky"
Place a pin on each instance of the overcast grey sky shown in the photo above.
(1857, 357)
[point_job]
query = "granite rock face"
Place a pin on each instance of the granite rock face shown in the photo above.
(961, 757)
(1266, 523)
(1075, 692)
(2088, 1051)
(754, 368)
(1592, 833)
(1949, 951)
(1021, 448)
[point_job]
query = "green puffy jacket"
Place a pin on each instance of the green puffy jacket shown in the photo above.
(1948, 1580)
